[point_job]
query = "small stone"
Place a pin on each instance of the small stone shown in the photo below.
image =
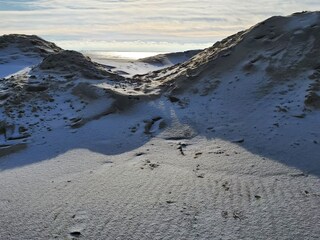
(139, 154)
(200, 175)
(153, 165)
(257, 197)
(75, 234)
(224, 214)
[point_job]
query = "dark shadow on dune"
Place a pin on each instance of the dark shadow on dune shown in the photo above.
(108, 135)
(298, 153)
(118, 139)
(293, 143)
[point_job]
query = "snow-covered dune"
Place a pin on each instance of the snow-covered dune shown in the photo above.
(130, 67)
(223, 145)
(170, 59)
(53, 87)
(18, 52)
(262, 83)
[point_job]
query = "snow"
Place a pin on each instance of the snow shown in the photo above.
(125, 67)
(12, 62)
(18, 66)
(220, 147)
(99, 186)
(129, 67)
(304, 21)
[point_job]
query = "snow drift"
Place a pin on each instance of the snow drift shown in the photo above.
(224, 145)
(272, 65)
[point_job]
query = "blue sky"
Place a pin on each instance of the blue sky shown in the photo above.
(139, 25)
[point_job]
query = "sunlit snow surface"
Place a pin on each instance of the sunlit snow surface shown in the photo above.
(121, 55)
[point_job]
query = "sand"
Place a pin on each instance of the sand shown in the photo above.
(222, 146)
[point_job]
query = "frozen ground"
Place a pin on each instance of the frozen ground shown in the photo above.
(222, 146)
(96, 189)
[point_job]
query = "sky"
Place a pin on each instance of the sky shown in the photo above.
(139, 25)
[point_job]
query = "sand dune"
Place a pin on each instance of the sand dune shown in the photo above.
(223, 145)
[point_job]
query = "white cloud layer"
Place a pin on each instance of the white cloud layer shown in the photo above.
(160, 25)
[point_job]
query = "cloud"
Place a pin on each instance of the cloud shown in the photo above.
(182, 22)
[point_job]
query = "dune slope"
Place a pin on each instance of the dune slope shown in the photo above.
(222, 146)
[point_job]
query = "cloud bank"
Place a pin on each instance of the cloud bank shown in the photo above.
(118, 25)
